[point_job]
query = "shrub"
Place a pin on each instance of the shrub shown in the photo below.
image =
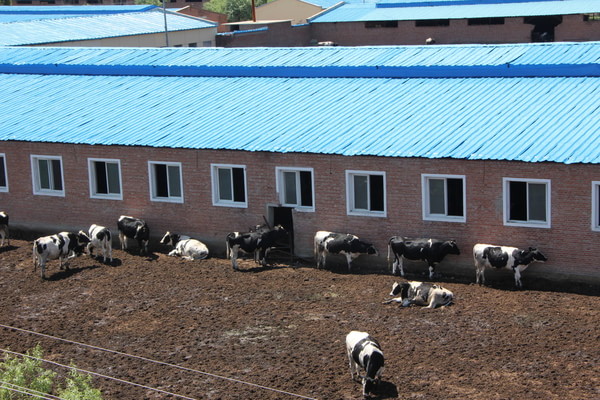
(22, 375)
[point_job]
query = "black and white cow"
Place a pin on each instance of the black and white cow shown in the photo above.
(513, 258)
(340, 243)
(258, 242)
(134, 228)
(421, 294)
(100, 238)
(59, 246)
(364, 353)
(4, 228)
(431, 250)
(185, 247)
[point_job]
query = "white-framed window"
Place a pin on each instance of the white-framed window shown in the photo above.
(295, 187)
(444, 197)
(526, 202)
(3, 174)
(229, 185)
(596, 205)
(47, 175)
(166, 183)
(365, 193)
(105, 178)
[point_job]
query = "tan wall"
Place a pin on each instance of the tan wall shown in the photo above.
(183, 38)
(570, 244)
(294, 10)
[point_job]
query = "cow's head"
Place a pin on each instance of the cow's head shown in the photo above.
(170, 239)
(451, 247)
(82, 238)
(537, 255)
(373, 370)
(142, 232)
(400, 289)
(358, 246)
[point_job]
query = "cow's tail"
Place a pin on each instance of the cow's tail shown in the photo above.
(37, 249)
(228, 246)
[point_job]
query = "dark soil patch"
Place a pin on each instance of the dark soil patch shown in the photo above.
(283, 327)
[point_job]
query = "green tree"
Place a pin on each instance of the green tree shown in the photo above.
(149, 2)
(236, 10)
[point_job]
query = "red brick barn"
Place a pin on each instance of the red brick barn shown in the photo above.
(492, 144)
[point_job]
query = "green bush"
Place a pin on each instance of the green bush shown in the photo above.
(27, 375)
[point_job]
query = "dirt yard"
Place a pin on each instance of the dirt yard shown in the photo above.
(283, 328)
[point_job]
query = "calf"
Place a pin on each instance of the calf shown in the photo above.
(340, 243)
(431, 250)
(59, 246)
(134, 228)
(4, 228)
(487, 255)
(100, 237)
(364, 353)
(258, 242)
(185, 247)
(421, 294)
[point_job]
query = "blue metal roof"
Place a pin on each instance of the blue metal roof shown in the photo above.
(383, 10)
(28, 13)
(545, 118)
(56, 28)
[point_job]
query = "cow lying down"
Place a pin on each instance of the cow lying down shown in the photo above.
(421, 294)
(185, 247)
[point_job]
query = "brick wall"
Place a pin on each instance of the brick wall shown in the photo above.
(570, 244)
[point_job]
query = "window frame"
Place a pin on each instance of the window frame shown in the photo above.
(92, 179)
(506, 203)
(595, 206)
(35, 176)
(214, 177)
(350, 206)
(153, 183)
(426, 204)
(4, 189)
(280, 187)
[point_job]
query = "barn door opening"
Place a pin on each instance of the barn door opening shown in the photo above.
(543, 27)
(283, 216)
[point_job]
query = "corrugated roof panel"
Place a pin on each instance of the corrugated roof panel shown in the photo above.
(551, 118)
(76, 28)
(395, 11)
(570, 59)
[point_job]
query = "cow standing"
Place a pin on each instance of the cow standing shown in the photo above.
(431, 250)
(487, 255)
(59, 246)
(100, 237)
(421, 294)
(258, 242)
(4, 228)
(364, 352)
(134, 228)
(185, 247)
(340, 243)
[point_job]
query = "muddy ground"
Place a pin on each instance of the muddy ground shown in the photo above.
(282, 328)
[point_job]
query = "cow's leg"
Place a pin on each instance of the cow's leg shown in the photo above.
(234, 255)
(353, 366)
(518, 283)
(431, 270)
(480, 274)
(349, 258)
(123, 240)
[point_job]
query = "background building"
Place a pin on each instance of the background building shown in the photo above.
(102, 26)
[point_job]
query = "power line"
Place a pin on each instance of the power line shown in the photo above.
(157, 362)
(30, 392)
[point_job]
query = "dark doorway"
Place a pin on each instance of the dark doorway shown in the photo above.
(283, 216)
(543, 27)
